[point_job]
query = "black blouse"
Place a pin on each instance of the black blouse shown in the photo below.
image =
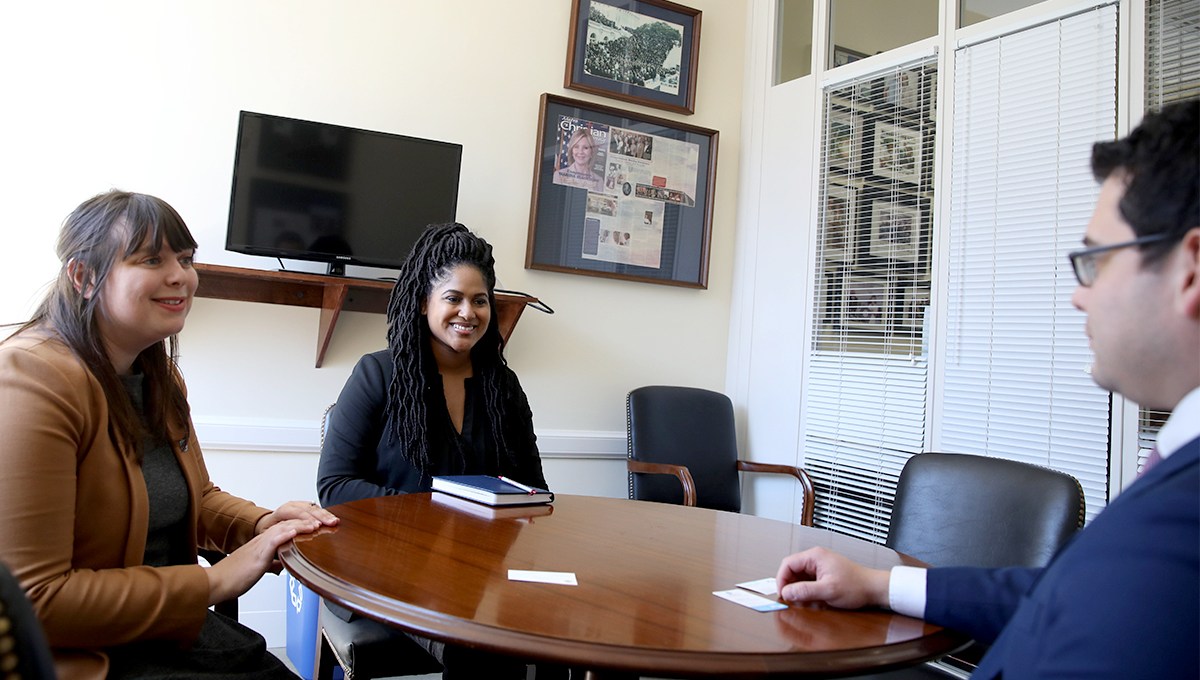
(358, 460)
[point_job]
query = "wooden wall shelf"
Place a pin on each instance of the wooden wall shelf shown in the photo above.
(331, 294)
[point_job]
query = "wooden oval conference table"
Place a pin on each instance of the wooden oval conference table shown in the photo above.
(438, 566)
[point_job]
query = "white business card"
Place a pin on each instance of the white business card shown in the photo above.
(762, 586)
(748, 599)
(561, 578)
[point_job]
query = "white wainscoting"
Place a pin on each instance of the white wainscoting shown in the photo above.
(270, 462)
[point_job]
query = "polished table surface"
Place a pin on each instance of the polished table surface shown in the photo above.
(438, 566)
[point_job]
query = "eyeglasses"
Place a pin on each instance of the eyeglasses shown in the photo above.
(1084, 261)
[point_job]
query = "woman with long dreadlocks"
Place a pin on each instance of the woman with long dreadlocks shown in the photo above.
(440, 400)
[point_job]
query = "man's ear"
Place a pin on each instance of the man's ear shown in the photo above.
(82, 278)
(1189, 274)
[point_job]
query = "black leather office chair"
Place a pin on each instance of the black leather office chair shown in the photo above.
(367, 649)
(24, 652)
(689, 433)
(964, 510)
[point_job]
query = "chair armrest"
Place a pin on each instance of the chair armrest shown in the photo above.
(810, 501)
(679, 471)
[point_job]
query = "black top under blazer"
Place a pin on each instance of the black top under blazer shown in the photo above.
(358, 460)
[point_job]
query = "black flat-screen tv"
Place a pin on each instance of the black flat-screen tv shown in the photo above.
(327, 193)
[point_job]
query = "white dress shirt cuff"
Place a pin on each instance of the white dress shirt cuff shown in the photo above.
(906, 591)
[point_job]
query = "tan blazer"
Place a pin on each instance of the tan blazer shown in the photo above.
(75, 514)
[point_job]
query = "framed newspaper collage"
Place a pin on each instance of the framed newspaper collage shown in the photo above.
(621, 195)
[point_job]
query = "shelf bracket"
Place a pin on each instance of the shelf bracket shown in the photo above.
(332, 299)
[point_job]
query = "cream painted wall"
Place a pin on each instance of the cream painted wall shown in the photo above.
(144, 95)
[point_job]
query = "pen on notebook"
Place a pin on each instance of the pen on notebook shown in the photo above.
(527, 489)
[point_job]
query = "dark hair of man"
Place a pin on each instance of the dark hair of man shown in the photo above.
(1160, 159)
(102, 231)
(411, 404)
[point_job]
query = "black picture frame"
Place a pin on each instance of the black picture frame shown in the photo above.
(896, 231)
(845, 55)
(839, 219)
(671, 85)
(867, 302)
(897, 152)
(641, 209)
(844, 139)
(909, 255)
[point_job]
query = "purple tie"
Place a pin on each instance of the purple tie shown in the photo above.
(1151, 460)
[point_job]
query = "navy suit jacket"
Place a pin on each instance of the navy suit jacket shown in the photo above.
(1120, 600)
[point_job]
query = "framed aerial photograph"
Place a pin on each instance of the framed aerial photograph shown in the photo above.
(640, 51)
(897, 152)
(895, 232)
(621, 195)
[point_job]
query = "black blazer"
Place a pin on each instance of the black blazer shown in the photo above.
(358, 460)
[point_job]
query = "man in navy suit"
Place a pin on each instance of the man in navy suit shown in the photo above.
(1122, 599)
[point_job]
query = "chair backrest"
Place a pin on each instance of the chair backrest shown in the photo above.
(966, 510)
(684, 426)
(24, 652)
(325, 422)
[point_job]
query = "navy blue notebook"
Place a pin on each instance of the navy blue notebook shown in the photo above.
(490, 490)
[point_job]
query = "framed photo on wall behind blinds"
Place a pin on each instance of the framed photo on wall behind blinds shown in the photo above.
(895, 231)
(875, 240)
(640, 51)
(897, 152)
(620, 195)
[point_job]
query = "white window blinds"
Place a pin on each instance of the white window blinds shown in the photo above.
(1172, 51)
(865, 391)
(1172, 74)
(1028, 107)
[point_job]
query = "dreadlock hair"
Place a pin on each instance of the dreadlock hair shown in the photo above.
(102, 231)
(439, 249)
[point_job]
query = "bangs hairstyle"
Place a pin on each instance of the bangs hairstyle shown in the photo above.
(152, 221)
(412, 408)
(102, 231)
